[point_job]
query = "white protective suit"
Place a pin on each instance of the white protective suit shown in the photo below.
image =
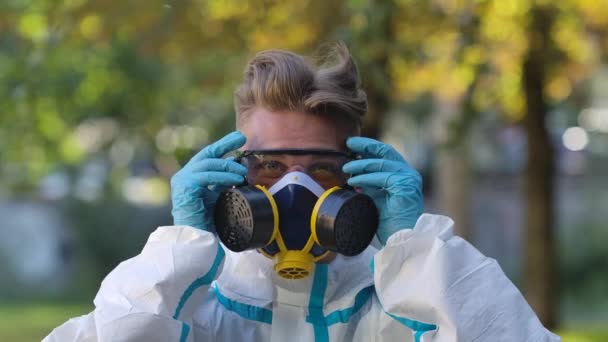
(424, 285)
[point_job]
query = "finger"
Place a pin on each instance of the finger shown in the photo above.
(370, 148)
(385, 180)
(371, 191)
(214, 164)
(374, 165)
(215, 178)
(220, 188)
(376, 180)
(228, 143)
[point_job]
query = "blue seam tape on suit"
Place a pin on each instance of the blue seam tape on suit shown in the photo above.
(344, 315)
(202, 281)
(260, 314)
(315, 305)
(185, 331)
(419, 327)
(319, 321)
(413, 324)
(250, 312)
(418, 335)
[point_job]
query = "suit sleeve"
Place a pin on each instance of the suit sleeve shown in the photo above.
(444, 289)
(152, 296)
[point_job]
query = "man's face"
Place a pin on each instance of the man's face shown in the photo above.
(266, 130)
(282, 130)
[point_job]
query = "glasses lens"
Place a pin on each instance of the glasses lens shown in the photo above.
(268, 169)
(328, 171)
(263, 169)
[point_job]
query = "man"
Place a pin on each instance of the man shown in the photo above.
(418, 283)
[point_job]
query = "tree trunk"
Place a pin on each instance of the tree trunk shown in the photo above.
(379, 105)
(376, 39)
(452, 176)
(540, 263)
(452, 167)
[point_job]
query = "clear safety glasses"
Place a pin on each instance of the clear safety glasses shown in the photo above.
(265, 167)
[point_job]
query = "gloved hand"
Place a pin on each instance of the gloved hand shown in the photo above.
(196, 187)
(385, 176)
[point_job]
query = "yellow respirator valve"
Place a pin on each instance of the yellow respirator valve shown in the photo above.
(294, 264)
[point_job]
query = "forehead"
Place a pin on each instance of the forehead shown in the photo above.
(265, 129)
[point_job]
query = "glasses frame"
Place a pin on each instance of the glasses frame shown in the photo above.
(240, 155)
(294, 152)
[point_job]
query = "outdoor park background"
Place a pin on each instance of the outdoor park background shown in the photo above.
(501, 104)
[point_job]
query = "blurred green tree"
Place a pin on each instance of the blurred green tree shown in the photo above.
(518, 58)
(155, 78)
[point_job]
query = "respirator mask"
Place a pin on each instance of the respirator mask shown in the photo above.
(295, 218)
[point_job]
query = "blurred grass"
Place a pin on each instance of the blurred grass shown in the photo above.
(582, 334)
(32, 322)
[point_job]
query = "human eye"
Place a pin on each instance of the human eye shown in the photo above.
(325, 171)
(270, 168)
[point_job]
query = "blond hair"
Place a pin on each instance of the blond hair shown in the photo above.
(279, 80)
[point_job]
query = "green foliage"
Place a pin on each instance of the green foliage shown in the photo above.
(149, 65)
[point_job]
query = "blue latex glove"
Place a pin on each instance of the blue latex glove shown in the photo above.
(385, 176)
(196, 187)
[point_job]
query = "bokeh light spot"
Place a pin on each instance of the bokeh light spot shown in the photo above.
(575, 139)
